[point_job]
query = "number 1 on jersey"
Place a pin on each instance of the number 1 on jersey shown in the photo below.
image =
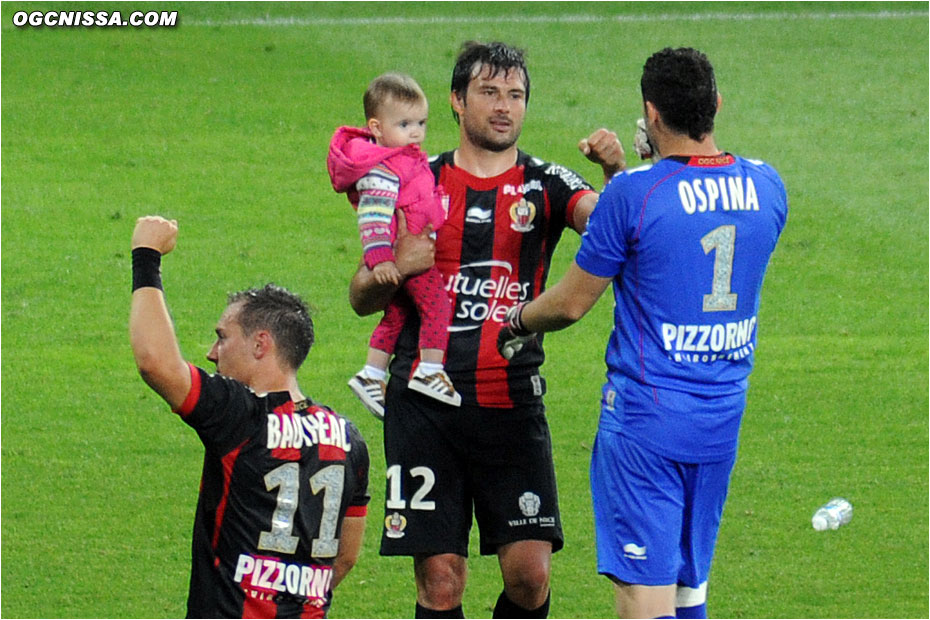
(723, 240)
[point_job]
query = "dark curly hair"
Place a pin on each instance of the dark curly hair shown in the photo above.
(497, 56)
(283, 314)
(680, 84)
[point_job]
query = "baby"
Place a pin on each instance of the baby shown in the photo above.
(381, 169)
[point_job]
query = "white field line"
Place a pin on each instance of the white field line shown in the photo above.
(547, 19)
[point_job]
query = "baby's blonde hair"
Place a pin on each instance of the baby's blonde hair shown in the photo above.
(399, 86)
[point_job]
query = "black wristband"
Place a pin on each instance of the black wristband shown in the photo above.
(516, 322)
(146, 268)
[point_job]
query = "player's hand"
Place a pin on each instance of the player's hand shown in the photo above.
(387, 273)
(641, 143)
(153, 231)
(509, 344)
(413, 254)
(604, 148)
(513, 336)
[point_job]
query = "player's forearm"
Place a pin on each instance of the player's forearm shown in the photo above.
(350, 545)
(565, 303)
(548, 313)
(367, 295)
(611, 169)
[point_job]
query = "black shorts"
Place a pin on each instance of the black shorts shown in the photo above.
(443, 461)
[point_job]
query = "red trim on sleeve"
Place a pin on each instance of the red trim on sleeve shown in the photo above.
(570, 211)
(357, 511)
(193, 395)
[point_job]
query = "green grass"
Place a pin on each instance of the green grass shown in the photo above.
(225, 127)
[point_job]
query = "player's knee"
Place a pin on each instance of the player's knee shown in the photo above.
(533, 577)
(529, 586)
(440, 592)
(440, 581)
(525, 568)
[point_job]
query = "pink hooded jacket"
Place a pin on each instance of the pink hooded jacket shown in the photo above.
(352, 155)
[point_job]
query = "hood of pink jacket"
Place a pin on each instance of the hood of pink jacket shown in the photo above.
(353, 153)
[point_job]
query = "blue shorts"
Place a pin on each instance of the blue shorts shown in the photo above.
(656, 520)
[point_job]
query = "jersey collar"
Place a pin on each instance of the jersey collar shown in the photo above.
(704, 161)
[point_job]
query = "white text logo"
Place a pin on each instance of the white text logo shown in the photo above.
(481, 299)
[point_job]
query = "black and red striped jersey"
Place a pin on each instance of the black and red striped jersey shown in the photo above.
(278, 478)
(494, 251)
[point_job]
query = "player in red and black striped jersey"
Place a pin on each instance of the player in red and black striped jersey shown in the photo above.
(492, 457)
(501, 234)
(283, 494)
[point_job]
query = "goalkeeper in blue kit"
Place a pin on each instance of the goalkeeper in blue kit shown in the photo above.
(685, 242)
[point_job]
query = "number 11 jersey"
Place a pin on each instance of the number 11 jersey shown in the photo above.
(278, 478)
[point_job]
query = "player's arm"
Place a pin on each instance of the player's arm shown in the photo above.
(565, 303)
(603, 148)
(557, 308)
(414, 254)
(151, 333)
(583, 210)
(350, 544)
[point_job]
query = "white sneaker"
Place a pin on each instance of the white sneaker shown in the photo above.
(437, 385)
(370, 392)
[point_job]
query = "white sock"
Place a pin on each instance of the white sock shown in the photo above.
(429, 368)
(373, 372)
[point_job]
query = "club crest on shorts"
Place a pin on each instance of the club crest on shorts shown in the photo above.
(394, 525)
(529, 504)
(522, 214)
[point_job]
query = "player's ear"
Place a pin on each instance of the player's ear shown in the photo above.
(457, 103)
(262, 343)
(652, 113)
(719, 100)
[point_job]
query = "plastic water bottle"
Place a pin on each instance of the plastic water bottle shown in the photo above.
(833, 514)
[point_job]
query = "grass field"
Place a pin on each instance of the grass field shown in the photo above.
(223, 123)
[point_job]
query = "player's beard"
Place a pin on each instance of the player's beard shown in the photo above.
(491, 141)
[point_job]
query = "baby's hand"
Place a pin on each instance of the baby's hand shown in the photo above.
(387, 273)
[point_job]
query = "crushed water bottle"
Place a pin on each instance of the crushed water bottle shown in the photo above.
(833, 514)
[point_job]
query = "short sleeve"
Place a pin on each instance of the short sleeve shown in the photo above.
(359, 463)
(222, 411)
(565, 187)
(604, 244)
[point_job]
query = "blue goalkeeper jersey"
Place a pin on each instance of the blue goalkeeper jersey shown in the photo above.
(687, 242)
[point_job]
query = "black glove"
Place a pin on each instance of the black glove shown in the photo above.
(513, 335)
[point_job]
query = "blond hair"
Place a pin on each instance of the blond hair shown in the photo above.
(399, 86)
